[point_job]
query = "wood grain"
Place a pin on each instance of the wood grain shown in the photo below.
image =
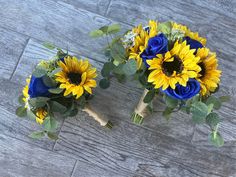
(21, 159)
(12, 45)
(127, 148)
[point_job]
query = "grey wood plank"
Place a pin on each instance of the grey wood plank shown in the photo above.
(120, 99)
(19, 159)
(10, 124)
(58, 23)
(11, 46)
(96, 6)
(130, 149)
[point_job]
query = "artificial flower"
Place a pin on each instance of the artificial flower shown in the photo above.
(76, 77)
(41, 114)
(176, 66)
(37, 87)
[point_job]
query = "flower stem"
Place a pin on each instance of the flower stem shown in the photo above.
(103, 121)
(140, 110)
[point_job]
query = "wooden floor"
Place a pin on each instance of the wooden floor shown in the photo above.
(84, 149)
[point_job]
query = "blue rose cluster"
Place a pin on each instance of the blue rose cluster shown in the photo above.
(37, 88)
(159, 45)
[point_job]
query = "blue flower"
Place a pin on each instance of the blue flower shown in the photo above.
(37, 88)
(182, 93)
(156, 45)
(194, 44)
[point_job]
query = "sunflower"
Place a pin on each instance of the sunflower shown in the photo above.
(189, 33)
(141, 40)
(209, 76)
(76, 77)
(175, 66)
(25, 93)
(41, 113)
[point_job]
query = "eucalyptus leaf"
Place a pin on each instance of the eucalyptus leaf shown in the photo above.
(118, 52)
(50, 124)
(20, 100)
(39, 72)
(216, 139)
(167, 113)
(56, 90)
(170, 102)
(49, 82)
(115, 28)
(57, 107)
(21, 111)
(37, 135)
(49, 45)
(212, 120)
(215, 101)
(56, 70)
(38, 102)
(107, 68)
(104, 29)
(199, 112)
(130, 67)
(104, 83)
(96, 33)
(31, 115)
(165, 27)
(52, 135)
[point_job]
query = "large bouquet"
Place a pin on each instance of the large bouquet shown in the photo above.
(167, 59)
(61, 85)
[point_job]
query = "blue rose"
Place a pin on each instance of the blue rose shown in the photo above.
(194, 44)
(182, 93)
(156, 45)
(37, 88)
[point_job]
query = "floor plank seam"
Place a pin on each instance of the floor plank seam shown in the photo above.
(58, 135)
(74, 168)
(18, 61)
(108, 7)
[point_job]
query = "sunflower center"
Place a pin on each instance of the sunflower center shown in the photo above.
(75, 78)
(176, 65)
(203, 69)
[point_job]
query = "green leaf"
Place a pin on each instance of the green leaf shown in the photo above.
(107, 68)
(38, 102)
(199, 112)
(119, 69)
(210, 108)
(51, 74)
(96, 33)
(49, 82)
(56, 90)
(118, 53)
(225, 98)
(20, 100)
(57, 107)
(52, 135)
(39, 71)
(216, 139)
(165, 27)
(104, 29)
(104, 83)
(212, 120)
(30, 115)
(215, 101)
(149, 96)
(37, 135)
(115, 28)
(50, 124)
(71, 111)
(49, 45)
(167, 113)
(130, 67)
(170, 102)
(21, 111)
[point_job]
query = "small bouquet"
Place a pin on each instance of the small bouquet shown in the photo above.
(170, 60)
(61, 85)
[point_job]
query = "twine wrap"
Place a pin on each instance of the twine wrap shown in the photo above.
(141, 108)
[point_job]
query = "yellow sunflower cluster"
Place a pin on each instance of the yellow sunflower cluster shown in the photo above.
(141, 40)
(76, 76)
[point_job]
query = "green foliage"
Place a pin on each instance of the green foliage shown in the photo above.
(130, 67)
(39, 71)
(118, 53)
(21, 111)
(49, 45)
(38, 102)
(104, 83)
(52, 135)
(107, 68)
(216, 139)
(149, 96)
(212, 120)
(50, 124)
(30, 115)
(170, 102)
(56, 90)
(199, 112)
(96, 33)
(37, 135)
(71, 111)
(165, 27)
(167, 113)
(20, 100)
(57, 107)
(56, 70)
(49, 82)
(215, 101)
(115, 28)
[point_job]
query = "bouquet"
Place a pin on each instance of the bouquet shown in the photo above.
(170, 60)
(61, 85)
